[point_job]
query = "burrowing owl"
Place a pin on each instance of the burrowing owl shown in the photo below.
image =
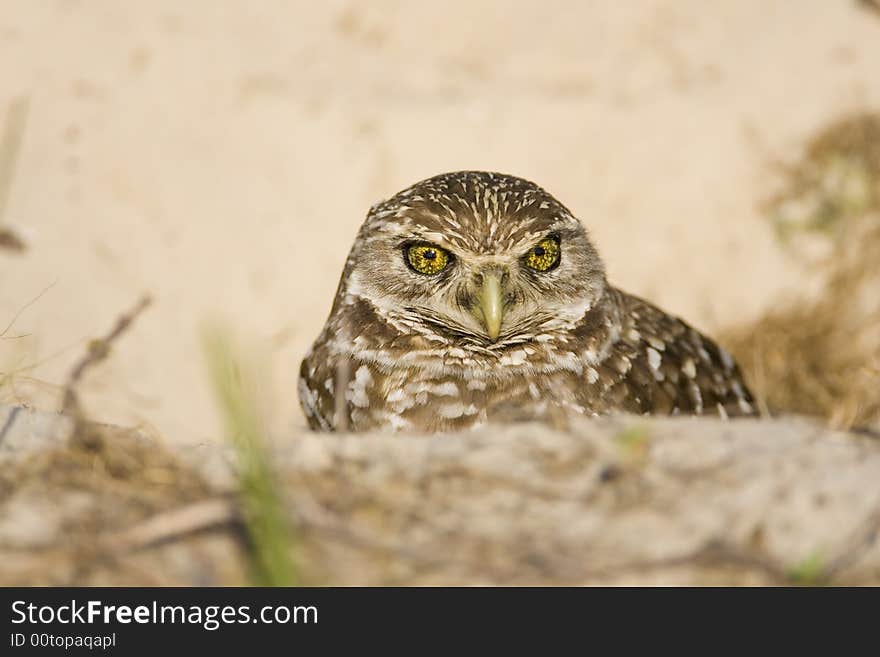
(472, 295)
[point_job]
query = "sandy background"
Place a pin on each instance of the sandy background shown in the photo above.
(221, 156)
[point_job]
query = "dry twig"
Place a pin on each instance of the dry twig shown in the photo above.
(172, 525)
(9, 148)
(98, 351)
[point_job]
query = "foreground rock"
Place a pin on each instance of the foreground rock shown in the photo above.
(614, 501)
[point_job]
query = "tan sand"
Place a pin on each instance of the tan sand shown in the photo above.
(221, 156)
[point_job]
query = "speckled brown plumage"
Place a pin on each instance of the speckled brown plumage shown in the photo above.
(405, 350)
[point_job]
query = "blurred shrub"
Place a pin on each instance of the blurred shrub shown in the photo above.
(821, 356)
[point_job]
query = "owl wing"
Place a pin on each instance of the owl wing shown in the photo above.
(317, 387)
(663, 365)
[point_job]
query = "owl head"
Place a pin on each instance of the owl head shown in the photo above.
(481, 259)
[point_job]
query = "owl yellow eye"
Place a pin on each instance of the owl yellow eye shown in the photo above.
(426, 258)
(544, 255)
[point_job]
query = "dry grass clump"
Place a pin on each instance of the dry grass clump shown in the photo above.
(95, 504)
(77, 501)
(821, 356)
(83, 508)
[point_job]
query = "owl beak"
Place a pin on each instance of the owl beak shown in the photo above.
(490, 304)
